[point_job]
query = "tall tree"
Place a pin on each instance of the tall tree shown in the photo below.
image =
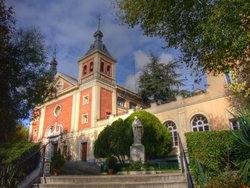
(24, 73)
(213, 34)
(159, 82)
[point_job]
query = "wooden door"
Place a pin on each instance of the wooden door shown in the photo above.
(84, 151)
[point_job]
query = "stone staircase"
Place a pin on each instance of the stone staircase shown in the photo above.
(164, 180)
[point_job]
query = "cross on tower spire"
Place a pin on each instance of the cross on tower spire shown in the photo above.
(99, 22)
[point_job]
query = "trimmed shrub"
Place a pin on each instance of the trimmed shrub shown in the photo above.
(114, 140)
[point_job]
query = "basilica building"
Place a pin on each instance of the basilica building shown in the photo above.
(83, 107)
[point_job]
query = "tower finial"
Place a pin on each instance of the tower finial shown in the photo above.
(99, 22)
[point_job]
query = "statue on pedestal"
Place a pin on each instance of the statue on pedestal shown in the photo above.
(137, 130)
(137, 150)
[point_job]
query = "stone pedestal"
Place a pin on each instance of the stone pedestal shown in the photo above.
(46, 168)
(137, 153)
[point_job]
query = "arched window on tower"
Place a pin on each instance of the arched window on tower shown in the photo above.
(108, 70)
(102, 67)
(199, 123)
(91, 68)
(172, 129)
(84, 69)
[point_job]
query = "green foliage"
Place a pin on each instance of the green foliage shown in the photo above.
(156, 138)
(18, 158)
(216, 152)
(57, 160)
(243, 139)
(17, 161)
(24, 73)
(111, 162)
(157, 80)
(136, 165)
(214, 34)
(114, 140)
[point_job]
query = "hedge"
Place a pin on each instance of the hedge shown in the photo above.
(215, 152)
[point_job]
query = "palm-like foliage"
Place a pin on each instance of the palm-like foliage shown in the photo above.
(244, 139)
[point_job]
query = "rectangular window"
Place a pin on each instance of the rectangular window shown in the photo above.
(121, 102)
(84, 118)
(132, 105)
(234, 124)
(85, 99)
(228, 78)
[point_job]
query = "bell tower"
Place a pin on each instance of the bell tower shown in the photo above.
(97, 76)
(97, 63)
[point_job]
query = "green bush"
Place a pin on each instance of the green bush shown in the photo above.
(216, 152)
(18, 163)
(57, 160)
(156, 138)
(114, 140)
(111, 162)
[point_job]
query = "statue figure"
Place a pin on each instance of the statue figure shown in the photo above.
(137, 130)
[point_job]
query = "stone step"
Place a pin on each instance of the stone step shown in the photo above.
(168, 180)
(116, 178)
(117, 185)
(80, 168)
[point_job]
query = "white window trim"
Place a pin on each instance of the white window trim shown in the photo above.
(172, 131)
(231, 124)
(83, 99)
(54, 111)
(82, 120)
(201, 125)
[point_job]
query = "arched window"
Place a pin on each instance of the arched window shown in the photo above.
(199, 123)
(108, 70)
(102, 66)
(172, 129)
(91, 68)
(85, 69)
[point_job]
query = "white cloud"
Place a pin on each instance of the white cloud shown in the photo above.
(70, 26)
(131, 82)
(165, 58)
(141, 59)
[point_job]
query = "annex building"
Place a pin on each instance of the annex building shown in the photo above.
(84, 106)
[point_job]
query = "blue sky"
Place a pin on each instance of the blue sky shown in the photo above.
(70, 25)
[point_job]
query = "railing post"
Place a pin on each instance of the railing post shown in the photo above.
(180, 154)
(184, 164)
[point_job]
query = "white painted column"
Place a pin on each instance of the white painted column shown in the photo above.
(114, 101)
(41, 123)
(75, 111)
(95, 107)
